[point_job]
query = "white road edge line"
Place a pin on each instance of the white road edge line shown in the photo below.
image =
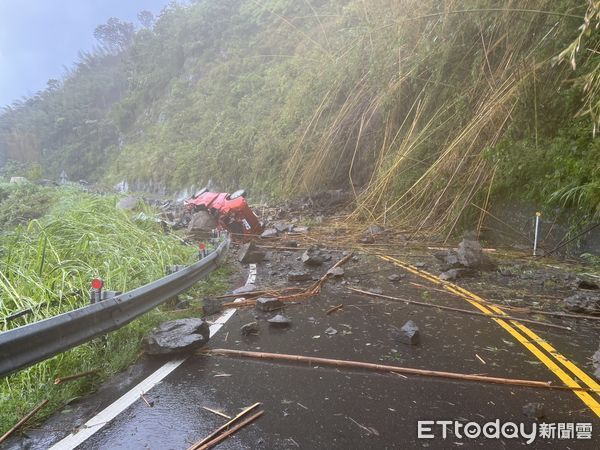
(97, 422)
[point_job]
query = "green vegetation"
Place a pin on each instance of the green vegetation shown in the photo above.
(21, 203)
(47, 265)
(433, 109)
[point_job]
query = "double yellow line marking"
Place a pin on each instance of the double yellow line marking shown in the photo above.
(523, 335)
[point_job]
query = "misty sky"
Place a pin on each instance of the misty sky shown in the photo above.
(39, 37)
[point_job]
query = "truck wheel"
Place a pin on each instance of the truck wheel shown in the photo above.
(236, 194)
(200, 192)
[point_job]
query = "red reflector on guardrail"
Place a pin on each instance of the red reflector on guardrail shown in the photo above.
(97, 283)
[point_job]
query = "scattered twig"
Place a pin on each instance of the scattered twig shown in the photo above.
(369, 432)
(199, 444)
(480, 358)
(464, 311)
(384, 368)
(24, 420)
(143, 397)
(218, 413)
(229, 432)
(334, 309)
(75, 377)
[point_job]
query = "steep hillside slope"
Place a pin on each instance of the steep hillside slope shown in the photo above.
(427, 107)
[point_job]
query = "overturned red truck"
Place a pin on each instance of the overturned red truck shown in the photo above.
(230, 210)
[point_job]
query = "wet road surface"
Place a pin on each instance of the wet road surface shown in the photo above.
(323, 407)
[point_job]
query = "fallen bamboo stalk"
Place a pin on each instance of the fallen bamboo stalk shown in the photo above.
(143, 397)
(523, 309)
(560, 314)
(75, 377)
(394, 369)
(460, 310)
(232, 430)
(199, 444)
(218, 413)
(24, 420)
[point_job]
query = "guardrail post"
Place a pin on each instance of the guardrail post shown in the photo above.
(96, 291)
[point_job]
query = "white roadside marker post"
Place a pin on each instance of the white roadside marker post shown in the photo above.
(537, 227)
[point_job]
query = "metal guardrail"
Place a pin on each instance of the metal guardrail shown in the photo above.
(30, 344)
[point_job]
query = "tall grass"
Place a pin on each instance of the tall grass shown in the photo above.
(47, 265)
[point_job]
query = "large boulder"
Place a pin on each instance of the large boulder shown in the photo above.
(177, 336)
(583, 302)
(469, 254)
(202, 222)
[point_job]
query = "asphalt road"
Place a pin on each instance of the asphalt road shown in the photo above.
(315, 407)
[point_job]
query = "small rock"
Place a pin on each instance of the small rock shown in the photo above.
(596, 363)
(420, 265)
(282, 227)
(269, 233)
(583, 283)
(583, 302)
(534, 410)
(312, 257)
(395, 277)
(375, 229)
(454, 274)
(176, 336)
(408, 334)
(267, 304)
(249, 254)
(244, 289)
(336, 272)
(250, 328)
(376, 291)
(183, 304)
(292, 244)
(211, 306)
(279, 321)
(299, 276)
(368, 239)
(301, 229)
(330, 331)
